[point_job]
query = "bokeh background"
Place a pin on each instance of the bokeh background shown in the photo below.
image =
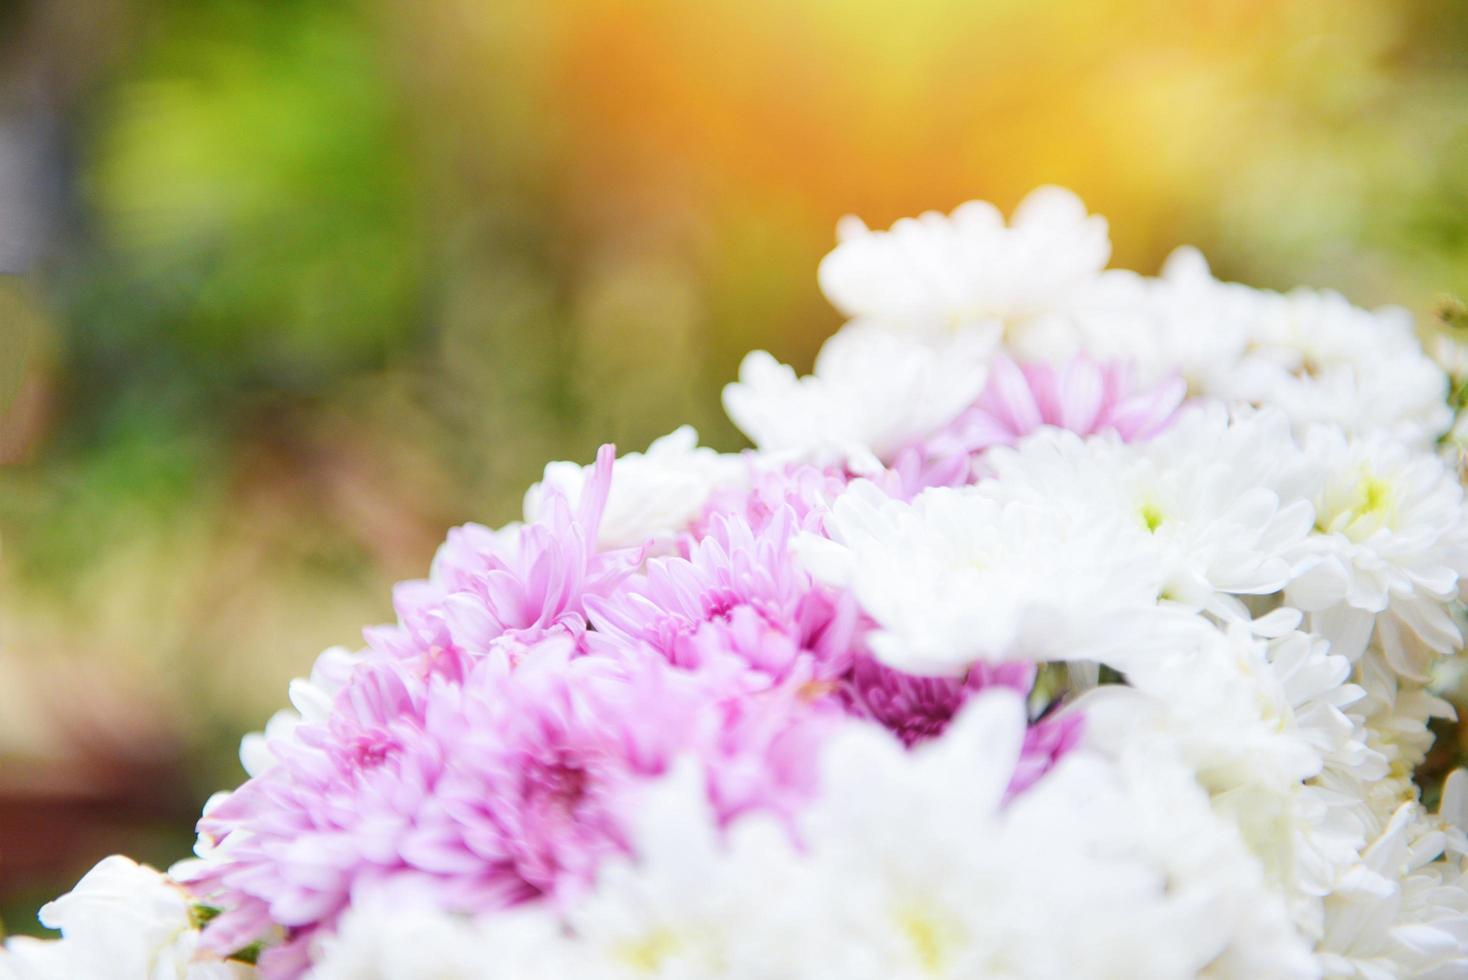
(294, 287)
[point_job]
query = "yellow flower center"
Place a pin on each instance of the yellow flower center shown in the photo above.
(929, 936)
(646, 955)
(1368, 506)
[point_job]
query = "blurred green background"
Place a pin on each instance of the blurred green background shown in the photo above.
(293, 287)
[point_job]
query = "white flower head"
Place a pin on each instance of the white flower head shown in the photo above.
(655, 495)
(1322, 360)
(1216, 504)
(1190, 324)
(938, 273)
(690, 900)
(122, 921)
(1263, 725)
(1247, 709)
(1402, 911)
(1392, 548)
(873, 393)
(955, 577)
(1100, 869)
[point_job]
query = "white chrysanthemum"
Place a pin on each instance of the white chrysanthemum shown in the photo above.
(1187, 322)
(1245, 709)
(1098, 870)
(1311, 354)
(1262, 723)
(1403, 910)
(1323, 360)
(695, 901)
(955, 577)
(654, 496)
(1183, 323)
(937, 273)
(873, 393)
(1392, 548)
(122, 921)
(1394, 717)
(1216, 504)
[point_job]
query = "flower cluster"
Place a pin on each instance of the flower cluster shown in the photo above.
(1064, 622)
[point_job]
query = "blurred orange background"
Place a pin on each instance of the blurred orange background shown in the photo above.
(292, 288)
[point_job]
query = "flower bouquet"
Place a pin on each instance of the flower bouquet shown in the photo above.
(1065, 622)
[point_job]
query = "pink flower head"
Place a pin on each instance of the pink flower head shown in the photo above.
(915, 469)
(761, 750)
(542, 755)
(291, 843)
(738, 592)
(808, 490)
(917, 709)
(1080, 395)
(523, 579)
(511, 786)
(503, 789)
(805, 490)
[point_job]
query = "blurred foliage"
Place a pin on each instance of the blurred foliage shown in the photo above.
(324, 277)
(255, 211)
(18, 331)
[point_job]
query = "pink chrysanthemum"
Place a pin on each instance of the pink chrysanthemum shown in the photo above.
(739, 591)
(291, 845)
(917, 709)
(806, 491)
(523, 580)
(1080, 395)
(511, 786)
(916, 469)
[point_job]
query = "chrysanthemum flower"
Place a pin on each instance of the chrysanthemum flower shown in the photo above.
(955, 577)
(873, 393)
(1391, 545)
(523, 580)
(506, 788)
(739, 592)
(938, 273)
(1080, 395)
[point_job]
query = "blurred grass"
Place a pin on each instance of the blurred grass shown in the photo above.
(322, 278)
